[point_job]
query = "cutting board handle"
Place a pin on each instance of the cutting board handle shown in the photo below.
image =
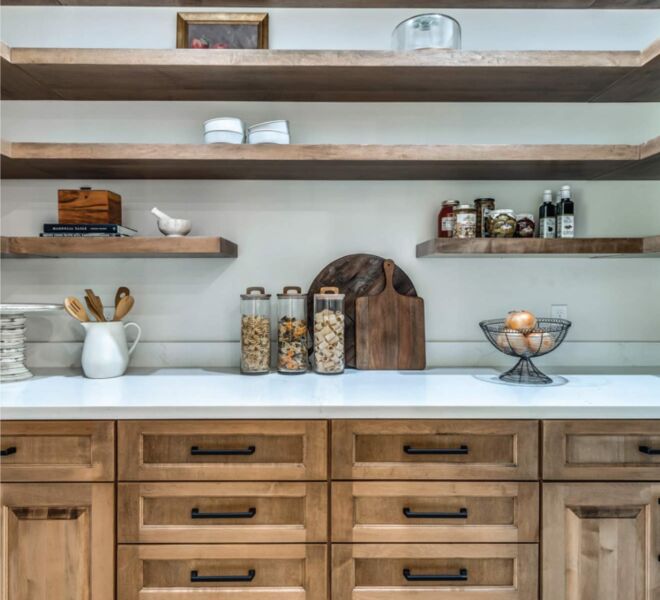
(388, 267)
(329, 290)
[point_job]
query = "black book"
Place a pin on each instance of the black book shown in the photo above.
(88, 228)
(82, 235)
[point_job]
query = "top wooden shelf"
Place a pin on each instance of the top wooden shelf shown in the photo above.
(331, 76)
(566, 4)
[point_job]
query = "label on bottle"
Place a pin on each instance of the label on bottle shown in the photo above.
(448, 223)
(566, 226)
(547, 227)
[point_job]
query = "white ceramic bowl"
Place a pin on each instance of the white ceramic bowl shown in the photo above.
(281, 126)
(268, 137)
(225, 124)
(174, 227)
(223, 137)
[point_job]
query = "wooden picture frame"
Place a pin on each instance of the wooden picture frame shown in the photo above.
(205, 22)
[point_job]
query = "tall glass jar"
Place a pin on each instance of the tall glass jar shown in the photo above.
(255, 331)
(329, 331)
(292, 330)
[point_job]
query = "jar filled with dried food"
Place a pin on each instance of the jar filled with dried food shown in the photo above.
(466, 222)
(525, 225)
(255, 331)
(502, 223)
(292, 330)
(329, 331)
(484, 207)
(447, 219)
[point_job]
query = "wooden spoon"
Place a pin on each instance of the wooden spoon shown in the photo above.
(75, 308)
(123, 308)
(122, 292)
(94, 304)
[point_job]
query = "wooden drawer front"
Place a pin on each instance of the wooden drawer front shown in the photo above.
(435, 449)
(287, 572)
(601, 541)
(58, 451)
(459, 571)
(601, 450)
(457, 512)
(222, 450)
(174, 513)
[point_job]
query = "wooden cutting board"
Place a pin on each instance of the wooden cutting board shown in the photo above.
(389, 329)
(355, 275)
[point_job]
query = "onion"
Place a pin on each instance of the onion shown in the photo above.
(540, 341)
(511, 341)
(520, 320)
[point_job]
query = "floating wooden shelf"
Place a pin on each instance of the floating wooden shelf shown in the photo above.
(127, 247)
(580, 247)
(331, 75)
(328, 162)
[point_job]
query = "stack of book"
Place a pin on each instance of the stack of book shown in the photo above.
(86, 230)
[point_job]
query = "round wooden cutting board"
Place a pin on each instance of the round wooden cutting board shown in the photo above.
(355, 275)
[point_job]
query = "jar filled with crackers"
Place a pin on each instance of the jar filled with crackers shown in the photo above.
(255, 331)
(329, 331)
(292, 331)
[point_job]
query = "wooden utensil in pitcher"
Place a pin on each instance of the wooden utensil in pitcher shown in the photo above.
(75, 308)
(123, 308)
(122, 292)
(94, 304)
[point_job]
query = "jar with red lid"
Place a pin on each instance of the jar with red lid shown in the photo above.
(447, 219)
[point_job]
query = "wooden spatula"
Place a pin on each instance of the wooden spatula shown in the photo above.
(75, 308)
(389, 329)
(94, 304)
(123, 308)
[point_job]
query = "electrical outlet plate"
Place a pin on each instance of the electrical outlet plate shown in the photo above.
(560, 311)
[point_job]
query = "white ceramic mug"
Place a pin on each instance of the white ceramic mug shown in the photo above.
(105, 351)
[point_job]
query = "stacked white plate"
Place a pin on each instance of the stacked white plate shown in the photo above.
(224, 130)
(12, 338)
(271, 132)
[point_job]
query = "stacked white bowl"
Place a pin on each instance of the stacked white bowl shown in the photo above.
(12, 348)
(270, 132)
(224, 130)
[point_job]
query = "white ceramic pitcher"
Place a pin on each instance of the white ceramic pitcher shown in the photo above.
(105, 351)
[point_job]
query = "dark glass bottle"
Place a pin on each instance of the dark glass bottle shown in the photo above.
(547, 217)
(566, 214)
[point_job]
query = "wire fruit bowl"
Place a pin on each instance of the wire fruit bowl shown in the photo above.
(526, 344)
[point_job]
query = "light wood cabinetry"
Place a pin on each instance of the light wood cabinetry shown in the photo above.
(222, 572)
(222, 512)
(222, 450)
(601, 541)
(601, 450)
(57, 541)
(57, 450)
(463, 450)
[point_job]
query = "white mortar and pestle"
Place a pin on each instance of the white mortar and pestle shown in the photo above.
(171, 227)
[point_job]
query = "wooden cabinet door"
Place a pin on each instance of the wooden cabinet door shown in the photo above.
(601, 541)
(58, 541)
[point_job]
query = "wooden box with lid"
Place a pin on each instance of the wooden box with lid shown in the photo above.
(88, 206)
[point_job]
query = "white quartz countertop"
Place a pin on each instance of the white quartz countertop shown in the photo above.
(220, 394)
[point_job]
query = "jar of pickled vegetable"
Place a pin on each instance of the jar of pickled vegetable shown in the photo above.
(525, 225)
(502, 223)
(292, 330)
(329, 331)
(255, 331)
(466, 222)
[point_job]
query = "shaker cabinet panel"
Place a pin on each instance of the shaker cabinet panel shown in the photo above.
(58, 541)
(57, 451)
(452, 449)
(435, 512)
(601, 450)
(222, 450)
(219, 513)
(601, 541)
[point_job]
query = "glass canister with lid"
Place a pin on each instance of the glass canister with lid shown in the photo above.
(329, 331)
(255, 331)
(292, 330)
(447, 219)
(502, 223)
(466, 222)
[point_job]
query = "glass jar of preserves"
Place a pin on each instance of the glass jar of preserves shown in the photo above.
(447, 219)
(292, 330)
(255, 331)
(484, 207)
(502, 223)
(329, 331)
(525, 225)
(466, 222)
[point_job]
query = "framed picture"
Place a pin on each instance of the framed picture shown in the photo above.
(234, 31)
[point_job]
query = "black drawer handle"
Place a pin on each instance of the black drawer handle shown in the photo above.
(195, 514)
(461, 514)
(196, 578)
(650, 451)
(462, 576)
(8, 451)
(411, 450)
(197, 451)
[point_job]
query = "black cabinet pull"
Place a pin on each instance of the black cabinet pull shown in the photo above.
(197, 451)
(196, 578)
(650, 451)
(411, 450)
(8, 451)
(462, 576)
(461, 514)
(248, 514)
